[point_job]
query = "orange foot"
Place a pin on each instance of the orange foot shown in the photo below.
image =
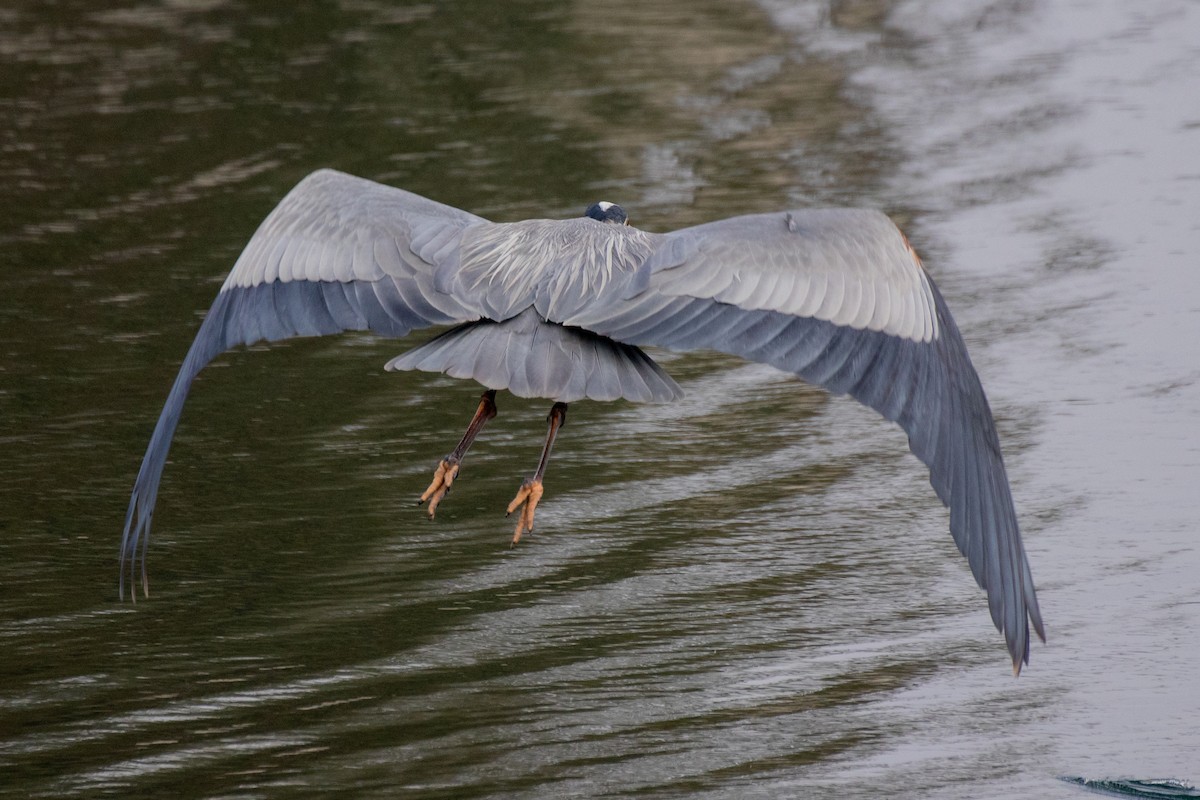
(528, 495)
(443, 479)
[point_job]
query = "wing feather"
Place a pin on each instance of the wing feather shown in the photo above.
(838, 298)
(806, 305)
(752, 262)
(881, 309)
(832, 300)
(346, 315)
(855, 311)
(329, 257)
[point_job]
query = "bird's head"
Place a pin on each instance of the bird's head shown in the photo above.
(605, 211)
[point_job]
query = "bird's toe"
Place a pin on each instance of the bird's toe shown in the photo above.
(439, 487)
(527, 500)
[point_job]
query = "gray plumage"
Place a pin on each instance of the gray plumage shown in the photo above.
(530, 358)
(557, 309)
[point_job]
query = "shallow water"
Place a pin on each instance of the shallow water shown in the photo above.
(751, 593)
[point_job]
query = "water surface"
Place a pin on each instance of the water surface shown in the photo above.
(751, 593)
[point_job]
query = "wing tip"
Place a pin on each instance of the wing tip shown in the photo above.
(1019, 648)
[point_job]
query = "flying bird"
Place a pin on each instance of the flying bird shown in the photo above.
(558, 309)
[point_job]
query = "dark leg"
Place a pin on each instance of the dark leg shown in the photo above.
(531, 488)
(447, 469)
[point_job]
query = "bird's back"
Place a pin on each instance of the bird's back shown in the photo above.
(524, 279)
(554, 266)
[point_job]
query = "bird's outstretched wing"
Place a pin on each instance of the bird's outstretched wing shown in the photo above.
(338, 253)
(839, 298)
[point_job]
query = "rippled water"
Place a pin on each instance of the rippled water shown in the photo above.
(751, 593)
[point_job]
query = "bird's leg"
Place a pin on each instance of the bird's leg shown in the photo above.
(531, 488)
(447, 469)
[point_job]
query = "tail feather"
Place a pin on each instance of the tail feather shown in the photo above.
(534, 358)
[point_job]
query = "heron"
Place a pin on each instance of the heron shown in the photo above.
(560, 309)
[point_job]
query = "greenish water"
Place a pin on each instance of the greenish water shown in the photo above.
(750, 593)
